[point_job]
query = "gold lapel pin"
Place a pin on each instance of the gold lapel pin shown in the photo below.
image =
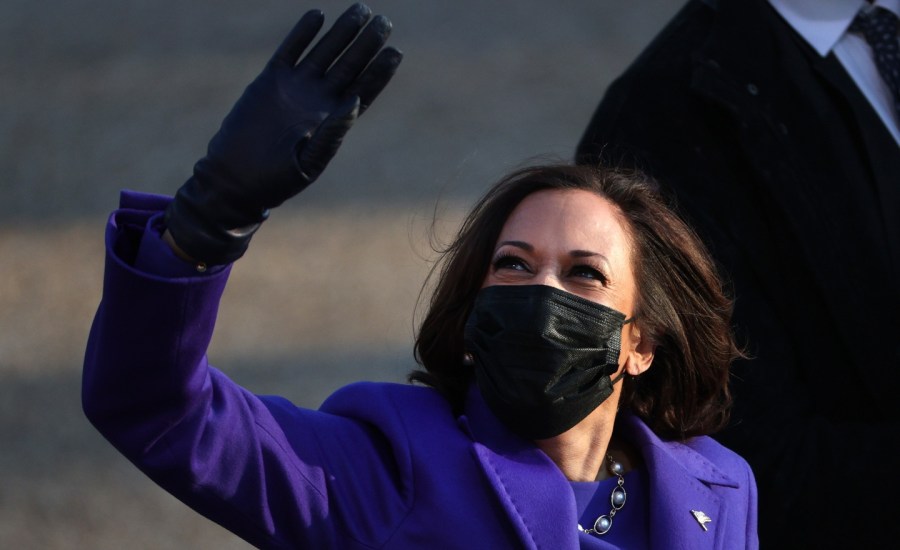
(701, 518)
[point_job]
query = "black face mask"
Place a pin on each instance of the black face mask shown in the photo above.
(543, 357)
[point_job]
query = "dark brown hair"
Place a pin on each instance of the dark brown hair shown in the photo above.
(680, 302)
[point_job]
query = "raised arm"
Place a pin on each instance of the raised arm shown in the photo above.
(257, 465)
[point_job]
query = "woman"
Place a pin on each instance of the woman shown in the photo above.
(575, 352)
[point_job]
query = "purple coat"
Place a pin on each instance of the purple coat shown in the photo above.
(377, 466)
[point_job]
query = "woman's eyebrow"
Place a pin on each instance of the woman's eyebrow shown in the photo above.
(573, 253)
(518, 244)
(600, 258)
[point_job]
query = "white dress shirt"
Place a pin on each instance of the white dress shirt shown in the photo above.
(823, 24)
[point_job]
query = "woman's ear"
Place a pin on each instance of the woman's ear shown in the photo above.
(640, 354)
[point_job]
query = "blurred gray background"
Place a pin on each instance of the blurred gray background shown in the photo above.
(99, 95)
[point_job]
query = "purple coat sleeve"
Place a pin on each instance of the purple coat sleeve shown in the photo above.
(259, 466)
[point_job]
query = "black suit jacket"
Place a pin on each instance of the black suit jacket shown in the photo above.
(794, 183)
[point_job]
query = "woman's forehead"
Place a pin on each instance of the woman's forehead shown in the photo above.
(572, 216)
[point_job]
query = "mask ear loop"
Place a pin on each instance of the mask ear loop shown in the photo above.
(613, 381)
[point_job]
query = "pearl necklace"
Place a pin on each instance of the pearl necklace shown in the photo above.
(603, 524)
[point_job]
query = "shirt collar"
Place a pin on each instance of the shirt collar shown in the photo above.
(821, 22)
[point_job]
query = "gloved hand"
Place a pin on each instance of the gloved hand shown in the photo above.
(282, 132)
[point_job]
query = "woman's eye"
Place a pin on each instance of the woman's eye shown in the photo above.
(510, 262)
(588, 272)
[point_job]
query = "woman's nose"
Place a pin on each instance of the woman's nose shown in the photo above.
(547, 278)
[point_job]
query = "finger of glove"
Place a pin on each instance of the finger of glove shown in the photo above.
(356, 57)
(375, 77)
(324, 143)
(336, 40)
(299, 38)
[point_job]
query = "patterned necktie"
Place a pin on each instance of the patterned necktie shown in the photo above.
(879, 26)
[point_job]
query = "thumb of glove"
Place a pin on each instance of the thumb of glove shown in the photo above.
(314, 154)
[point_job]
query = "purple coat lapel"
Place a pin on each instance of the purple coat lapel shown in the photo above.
(541, 507)
(680, 480)
(530, 487)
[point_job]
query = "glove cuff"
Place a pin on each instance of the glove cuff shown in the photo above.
(206, 227)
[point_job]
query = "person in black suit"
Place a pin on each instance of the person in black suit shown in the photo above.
(788, 165)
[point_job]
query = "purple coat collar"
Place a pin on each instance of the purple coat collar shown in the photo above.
(537, 499)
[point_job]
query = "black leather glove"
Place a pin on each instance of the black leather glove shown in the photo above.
(282, 132)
